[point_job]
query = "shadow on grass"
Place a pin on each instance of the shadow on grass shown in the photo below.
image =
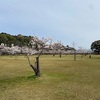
(17, 80)
(31, 77)
(95, 58)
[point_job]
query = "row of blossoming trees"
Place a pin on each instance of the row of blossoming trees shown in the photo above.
(35, 46)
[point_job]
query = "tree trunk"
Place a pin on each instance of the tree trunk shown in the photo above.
(74, 55)
(60, 54)
(37, 67)
(89, 55)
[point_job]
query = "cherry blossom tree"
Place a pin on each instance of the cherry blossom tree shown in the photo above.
(57, 48)
(38, 45)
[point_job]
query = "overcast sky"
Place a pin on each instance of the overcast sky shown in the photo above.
(68, 21)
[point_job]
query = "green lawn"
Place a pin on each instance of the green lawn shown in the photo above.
(61, 78)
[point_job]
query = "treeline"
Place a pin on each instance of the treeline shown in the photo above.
(17, 40)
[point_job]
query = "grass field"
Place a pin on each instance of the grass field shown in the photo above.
(61, 78)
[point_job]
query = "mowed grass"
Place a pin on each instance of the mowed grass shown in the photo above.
(61, 78)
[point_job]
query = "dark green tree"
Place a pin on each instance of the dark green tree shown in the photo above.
(18, 40)
(95, 47)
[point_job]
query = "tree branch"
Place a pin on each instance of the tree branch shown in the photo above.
(33, 67)
(28, 59)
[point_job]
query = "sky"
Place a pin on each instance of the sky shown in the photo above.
(69, 21)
